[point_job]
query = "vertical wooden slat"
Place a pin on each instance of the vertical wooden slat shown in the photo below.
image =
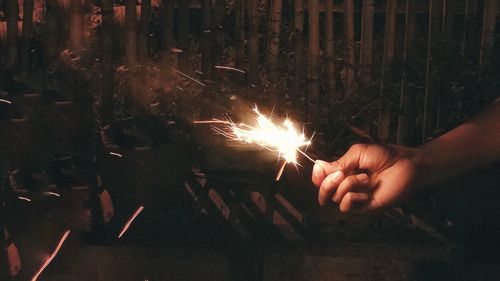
(470, 41)
(131, 33)
(330, 50)
(144, 28)
(273, 47)
(107, 61)
(488, 32)
(299, 47)
(184, 13)
(388, 56)
(366, 53)
(313, 63)
(76, 25)
(431, 114)
(408, 58)
(253, 40)
(349, 46)
(449, 22)
(12, 15)
(239, 11)
(27, 33)
(206, 47)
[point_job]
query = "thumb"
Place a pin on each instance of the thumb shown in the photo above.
(347, 163)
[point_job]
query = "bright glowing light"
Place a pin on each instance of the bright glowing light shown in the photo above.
(129, 222)
(24, 198)
(51, 257)
(283, 138)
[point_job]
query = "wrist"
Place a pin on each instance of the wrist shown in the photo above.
(422, 162)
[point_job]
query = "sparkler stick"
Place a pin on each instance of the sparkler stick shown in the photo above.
(282, 138)
(51, 257)
(129, 222)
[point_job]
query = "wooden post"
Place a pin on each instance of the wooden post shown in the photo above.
(76, 25)
(206, 47)
(131, 33)
(431, 120)
(144, 28)
(28, 7)
(12, 16)
(239, 13)
(167, 37)
(253, 40)
(218, 29)
(349, 46)
(408, 58)
(273, 47)
(470, 42)
(184, 13)
(366, 53)
(488, 32)
(107, 61)
(314, 98)
(388, 56)
(449, 22)
(51, 26)
(299, 48)
(330, 52)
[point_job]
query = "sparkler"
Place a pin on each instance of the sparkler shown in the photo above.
(51, 257)
(282, 138)
(129, 222)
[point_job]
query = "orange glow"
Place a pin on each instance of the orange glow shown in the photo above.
(129, 222)
(51, 257)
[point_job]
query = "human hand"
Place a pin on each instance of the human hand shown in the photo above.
(367, 178)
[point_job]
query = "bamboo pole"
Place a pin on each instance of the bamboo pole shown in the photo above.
(253, 40)
(313, 63)
(299, 47)
(131, 33)
(206, 47)
(330, 51)
(144, 28)
(107, 61)
(431, 120)
(183, 23)
(388, 56)
(273, 47)
(366, 53)
(488, 32)
(76, 25)
(28, 7)
(408, 58)
(349, 46)
(11, 14)
(239, 12)
(469, 44)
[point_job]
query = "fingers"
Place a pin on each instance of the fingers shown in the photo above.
(354, 201)
(347, 163)
(328, 186)
(353, 183)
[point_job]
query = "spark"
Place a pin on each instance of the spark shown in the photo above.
(229, 68)
(191, 78)
(52, 193)
(116, 154)
(51, 257)
(283, 138)
(129, 222)
(24, 198)
(5, 101)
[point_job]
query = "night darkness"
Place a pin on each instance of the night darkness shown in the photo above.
(131, 147)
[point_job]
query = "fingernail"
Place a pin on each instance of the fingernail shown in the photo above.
(317, 170)
(335, 176)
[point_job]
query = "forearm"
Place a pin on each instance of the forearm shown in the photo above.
(469, 146)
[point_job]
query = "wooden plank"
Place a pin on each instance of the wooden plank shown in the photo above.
(366, 53)
(408, 57)
(314, 98)
(349, 46)
(299, 48)
(488, 32)
(388, 56)
(330, 51)
(431, 112)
